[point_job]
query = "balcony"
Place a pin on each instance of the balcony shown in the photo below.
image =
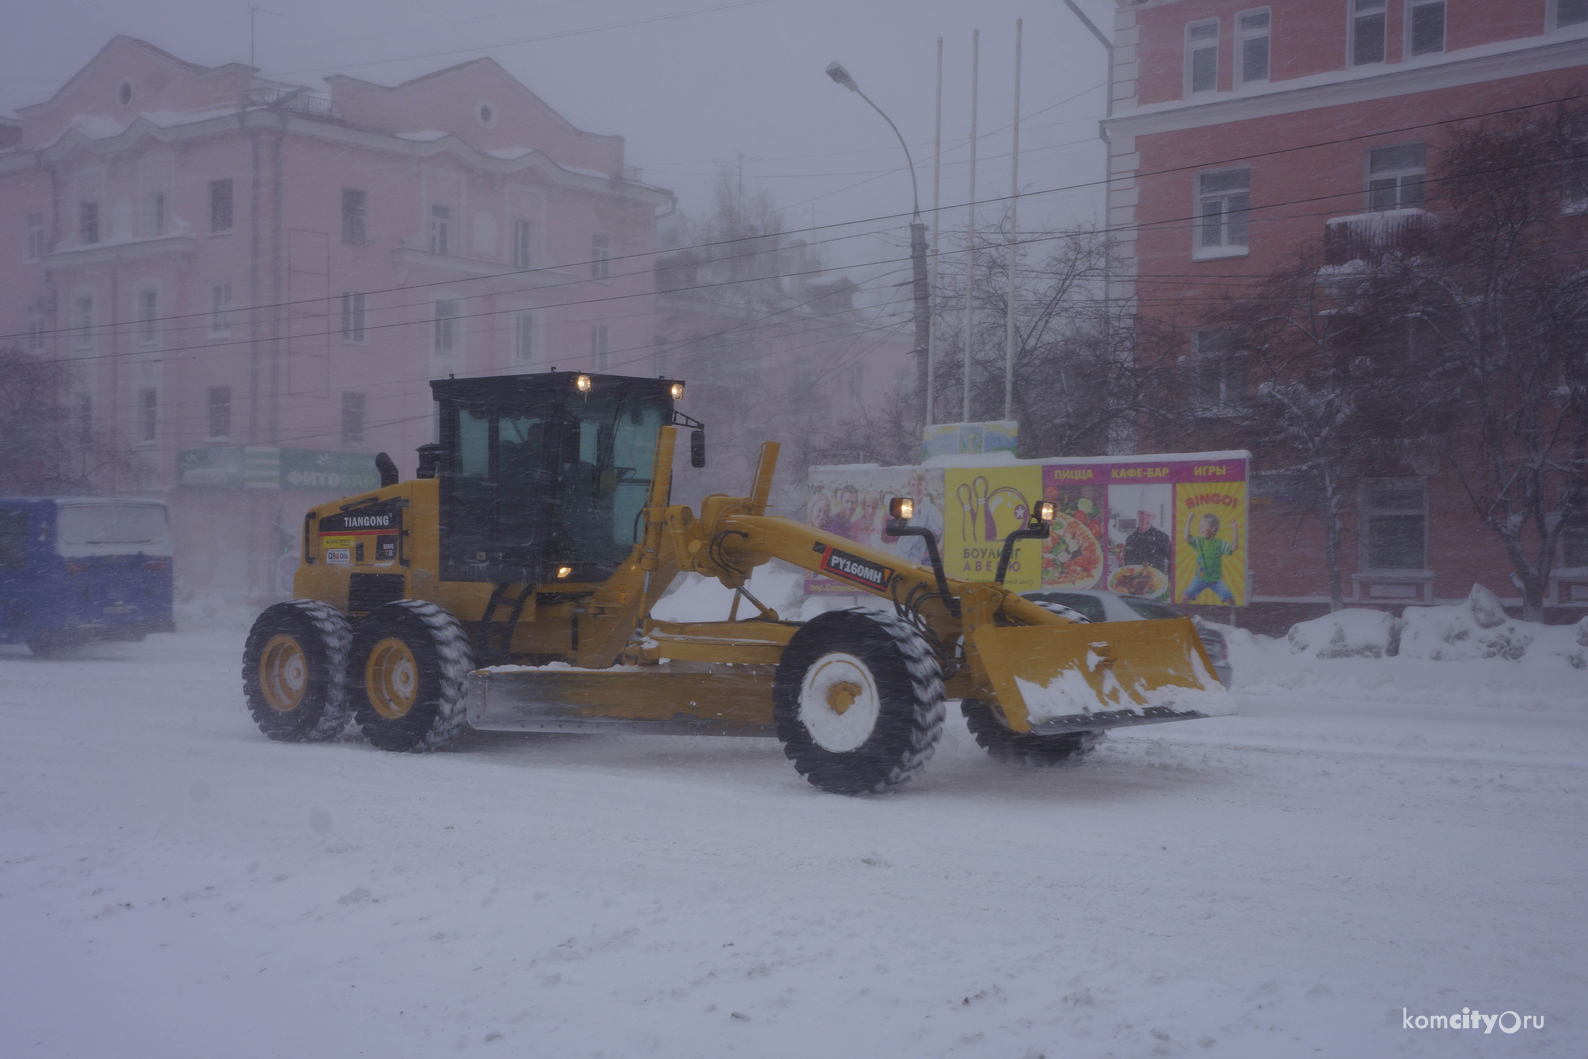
(295, 100)
(1369, 237)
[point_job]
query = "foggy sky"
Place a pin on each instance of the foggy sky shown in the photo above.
(689, 94)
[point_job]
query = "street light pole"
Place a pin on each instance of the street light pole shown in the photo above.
(922, 291)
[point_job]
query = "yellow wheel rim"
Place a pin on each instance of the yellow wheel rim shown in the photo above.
(391, 677)
(283, 673)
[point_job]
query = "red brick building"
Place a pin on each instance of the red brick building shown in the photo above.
(1240, 130)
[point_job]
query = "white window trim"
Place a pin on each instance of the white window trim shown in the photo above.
(1552, 21)
(143, 441)
(456, 330)
(1240, 51)
(82, 334)
(536, 344)
(29, 229)
(1363, 513)
(361, 338)
(601, 258)
(1186, 62)
(224, 312)
(1368, 176)
(147, 331)
(1406, 31)
(1350, 37)
(1213, 253)
(209, 207)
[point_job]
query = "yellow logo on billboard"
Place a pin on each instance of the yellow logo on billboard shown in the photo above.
(1210, 546)
(985, 505)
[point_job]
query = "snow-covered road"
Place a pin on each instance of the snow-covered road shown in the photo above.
(1285, 882)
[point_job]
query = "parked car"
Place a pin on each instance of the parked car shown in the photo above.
(1098, 605)
(83, 568)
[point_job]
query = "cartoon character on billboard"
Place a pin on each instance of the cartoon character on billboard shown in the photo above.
(1211, 551)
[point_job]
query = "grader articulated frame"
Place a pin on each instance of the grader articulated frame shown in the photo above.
(531, 545)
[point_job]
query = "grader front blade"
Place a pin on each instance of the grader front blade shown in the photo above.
(1050, 679)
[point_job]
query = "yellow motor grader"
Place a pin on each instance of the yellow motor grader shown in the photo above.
(509, 585)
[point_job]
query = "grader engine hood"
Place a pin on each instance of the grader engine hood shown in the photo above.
(1093, 676)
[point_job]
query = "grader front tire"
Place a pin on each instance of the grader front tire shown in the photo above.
(294, 667)
(858, 701)
(408, 676)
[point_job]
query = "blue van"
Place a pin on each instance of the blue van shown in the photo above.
(82, 568)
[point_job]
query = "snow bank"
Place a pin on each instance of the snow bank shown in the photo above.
(1479, 628)
(695, 597)
(1346, 634)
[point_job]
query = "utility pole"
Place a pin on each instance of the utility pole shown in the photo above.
(970, 226)
(937, 174)
(1014, 243)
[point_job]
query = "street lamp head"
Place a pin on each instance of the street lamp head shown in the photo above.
(837, 72)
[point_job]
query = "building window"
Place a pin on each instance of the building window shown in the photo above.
(598, 346)
(88, 223)
(524, 337)
(1224, 202)
(1367, 32)
(1252, 46)
(1394, 519)
(83, 321)
(148, 414)
(353, 316)
(1570, 13)
(1202, 56)
(85, 417)
(1220, 368)
(523, 244)
(221, 205)
(35, 236)
(1425, 27)
(34, 342)
(1574, 544)
(446, 323)
(1574, 174)
(1395, 177)
(220, 407)
(157, 213)
(600, 257)
(220, 308)
(352, 418)
(353, 213)
(148, 317)
(440, 228)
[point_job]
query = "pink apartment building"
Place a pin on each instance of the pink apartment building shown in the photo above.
(254, 282)
(1240, 129)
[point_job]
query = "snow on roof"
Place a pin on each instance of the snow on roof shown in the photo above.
(509, 154)
(424, 135)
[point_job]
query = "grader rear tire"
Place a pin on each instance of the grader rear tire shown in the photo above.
(408, 676)
(858, 701)
(1023, 748)
(294, 669)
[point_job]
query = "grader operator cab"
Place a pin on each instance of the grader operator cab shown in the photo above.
(509, 585)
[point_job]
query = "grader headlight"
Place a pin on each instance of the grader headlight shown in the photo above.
(902, 507)
(1046, 510)
(583, 383)
(677, 390)
(563, 572)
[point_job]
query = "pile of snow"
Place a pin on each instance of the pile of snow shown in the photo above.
(1479, 628)
(1346, 634)
(695, 597)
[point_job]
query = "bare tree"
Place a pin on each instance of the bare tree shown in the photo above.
(49, 446)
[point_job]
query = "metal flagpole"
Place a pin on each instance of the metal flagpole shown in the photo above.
(970, 224)
(937, 174)
(1014, 202)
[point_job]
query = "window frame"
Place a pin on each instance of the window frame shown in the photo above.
(1232, 355)
(440, 229)
(148, 415)
(1200, 249)
(218, 405)
(355, 217)
(220, 309)
(525, 323)
(523, 243)
(33, 337)
(82, 328)
(148, 317)
(1398, 175)
(355, 317)
(1554, 23)
(1410, 20)
(88, 226)
(1242, 36)
(445, 336)
(1189, 59)
(1366, 512)
(355, 423)
(37, 244)
(1353, 16)
(223, 206)
(600, 345)
(600, 257)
